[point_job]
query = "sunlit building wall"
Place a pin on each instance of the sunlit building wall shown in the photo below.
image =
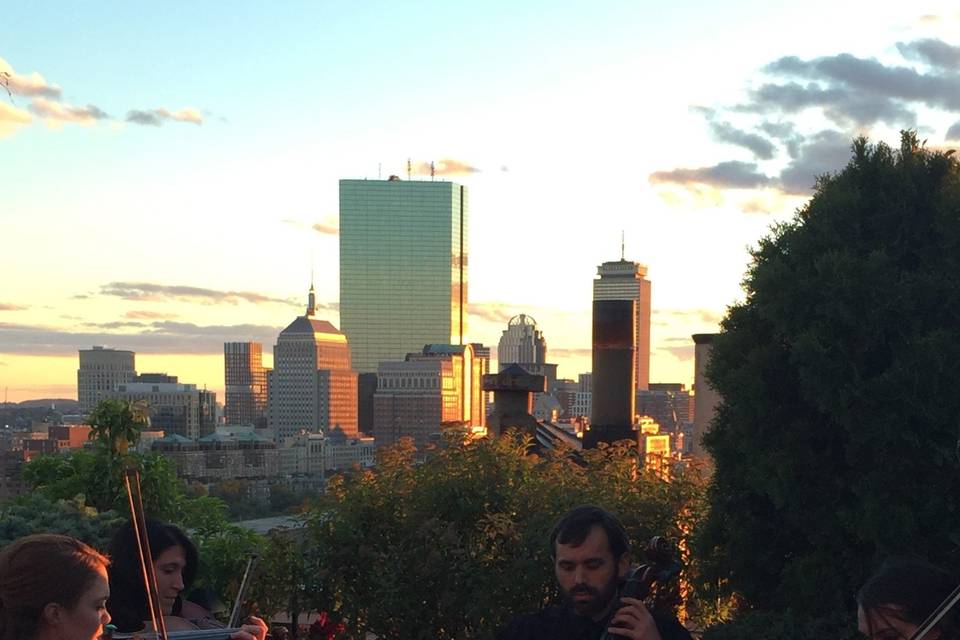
(624, 280)
(312, 386)
(403, 267)
(101, 370)
(417, 397)
(174, 408)
(246, 384)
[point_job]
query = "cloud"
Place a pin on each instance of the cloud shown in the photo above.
(683, 353)
(148, 315)
(755, 143)
(444, 167)
(156, 117)
(685, 316)
(569, 353)
(327, 227)
(953, 133)
(861, 90)
(933, 52)
(33, 85)
(495, 312)
(4, 306)
(12, 118)
(156, 337)
(55, 113)
(825, 152)
(147, 291)
(731, 174)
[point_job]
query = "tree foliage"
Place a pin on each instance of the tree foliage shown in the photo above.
(836, 442)
(453, 547)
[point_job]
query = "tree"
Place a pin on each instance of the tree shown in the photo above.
(116, 424)
(35, 513)
(835, 443)
(454, 546)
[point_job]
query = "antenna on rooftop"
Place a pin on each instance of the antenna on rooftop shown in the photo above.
(431, 171)
(409, 168)
(379, 170)
(622, 247)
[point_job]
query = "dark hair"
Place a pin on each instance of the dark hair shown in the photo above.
(910, 589)
(574, 527)
(40, 569)
(128, 598)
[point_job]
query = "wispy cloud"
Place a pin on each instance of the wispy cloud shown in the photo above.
(157, 337)
(148, 315)
(852, 93)
(12, 119)
(57, 113)
(148, 291)
(5, 306)
(444, 167)
(327, 227)
(669, 317)
(731, 174)
(683, 353)
(156, 117)
(33, 85)
(495, 312)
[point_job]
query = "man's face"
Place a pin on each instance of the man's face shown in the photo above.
(588, 573)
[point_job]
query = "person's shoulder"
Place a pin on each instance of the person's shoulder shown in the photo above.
(532, 626)
(670, 628)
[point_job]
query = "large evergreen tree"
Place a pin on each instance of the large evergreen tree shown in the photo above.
(836, 443)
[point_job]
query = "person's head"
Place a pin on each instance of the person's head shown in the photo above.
(591, 552)
(175, 563)
(900, 596)
(52, 587)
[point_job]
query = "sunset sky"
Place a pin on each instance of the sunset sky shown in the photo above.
(168, 172)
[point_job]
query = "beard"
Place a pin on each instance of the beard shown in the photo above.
(589, 601)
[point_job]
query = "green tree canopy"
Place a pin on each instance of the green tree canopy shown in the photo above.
(455, 546)
(836, 442)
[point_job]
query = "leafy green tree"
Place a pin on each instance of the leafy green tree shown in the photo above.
(35, 513)
(116, 424)
(835, 444)
(454, 546)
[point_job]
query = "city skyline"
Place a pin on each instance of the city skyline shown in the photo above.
(167, 188)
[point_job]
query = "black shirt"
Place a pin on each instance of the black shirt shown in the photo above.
(562, 623)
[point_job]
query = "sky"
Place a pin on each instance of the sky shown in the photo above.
(169, 172)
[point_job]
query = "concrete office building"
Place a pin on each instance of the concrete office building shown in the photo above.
(312, 386)
(101, 370)
(180, 409)
(403, 267)
(522, 343)
(246, 384)
(439, 386)
(705, 398)
(624, 280)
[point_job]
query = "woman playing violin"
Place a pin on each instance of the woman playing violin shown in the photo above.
(900, 596)
(175, 562)
(52, 587)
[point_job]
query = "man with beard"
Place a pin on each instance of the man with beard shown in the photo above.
(591, 554)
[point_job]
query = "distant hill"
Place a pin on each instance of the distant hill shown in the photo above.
(63, 405)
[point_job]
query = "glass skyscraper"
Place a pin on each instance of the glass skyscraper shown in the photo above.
(403, 267)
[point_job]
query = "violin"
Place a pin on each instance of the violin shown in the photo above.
(660, 568)
(161, 626)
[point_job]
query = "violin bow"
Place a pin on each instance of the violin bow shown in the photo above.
(235, 614)
(949, 602)
(139, 521)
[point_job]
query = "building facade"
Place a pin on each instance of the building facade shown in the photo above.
(417, 397)
(312, 386)
(522, 343)
(403, 267)
(180, 409)
(705, 396)
(246, 384)
(101, 370)
(624, 280)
